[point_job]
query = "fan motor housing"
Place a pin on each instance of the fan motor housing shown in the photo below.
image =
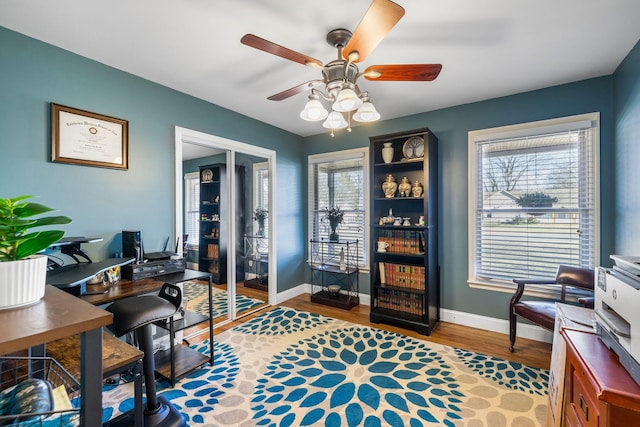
(335, 74)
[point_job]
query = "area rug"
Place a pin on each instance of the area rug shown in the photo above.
(293, 368)
(196, 294)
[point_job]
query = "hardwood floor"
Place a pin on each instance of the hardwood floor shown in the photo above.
(532, 353)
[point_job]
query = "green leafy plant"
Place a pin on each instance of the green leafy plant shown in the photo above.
(16, 221)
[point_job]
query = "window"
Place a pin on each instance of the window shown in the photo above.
(340, 179)
(261, 190)
(533, 199)
(192, 208)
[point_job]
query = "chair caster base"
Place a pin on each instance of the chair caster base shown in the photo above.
(165, 415)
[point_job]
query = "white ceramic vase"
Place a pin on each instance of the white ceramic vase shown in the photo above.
(387, 152)
(22, 282)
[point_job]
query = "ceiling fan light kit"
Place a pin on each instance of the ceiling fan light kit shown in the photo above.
(338, 85)
(313, 111)
(367, 112)
(335, 121)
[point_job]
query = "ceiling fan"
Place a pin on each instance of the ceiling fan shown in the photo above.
(338, 84)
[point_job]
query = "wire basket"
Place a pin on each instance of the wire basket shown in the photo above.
(14, 370)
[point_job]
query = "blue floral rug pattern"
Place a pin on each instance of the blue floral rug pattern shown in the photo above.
(197, 300)
(292, 368)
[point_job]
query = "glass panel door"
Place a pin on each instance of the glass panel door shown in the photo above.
(233, 220)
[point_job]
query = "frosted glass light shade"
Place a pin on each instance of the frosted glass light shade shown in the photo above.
(347, 100)
(366, 113)
(313, 111)
(335, 121)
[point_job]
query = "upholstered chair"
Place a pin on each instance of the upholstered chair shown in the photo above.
(543, 312)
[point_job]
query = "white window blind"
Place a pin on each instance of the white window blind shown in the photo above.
(192, 207)
(261, 192)
(339, 181)
(535, 200)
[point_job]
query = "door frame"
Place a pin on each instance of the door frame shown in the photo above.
(190, 136)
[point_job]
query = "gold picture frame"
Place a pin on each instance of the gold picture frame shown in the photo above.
(84, 138)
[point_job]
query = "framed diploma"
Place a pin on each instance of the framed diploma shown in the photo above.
(84, 138)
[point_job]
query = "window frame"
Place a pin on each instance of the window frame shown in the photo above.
(352, 154)
(192, 241)
(520, 131)
(261, 173)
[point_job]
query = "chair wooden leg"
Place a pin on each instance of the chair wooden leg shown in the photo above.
(513, 322)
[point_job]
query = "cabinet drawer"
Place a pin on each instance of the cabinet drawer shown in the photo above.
(570, 416)
(582, 401)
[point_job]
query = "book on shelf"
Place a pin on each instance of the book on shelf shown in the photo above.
(213, 250)
(403, 241)
(400, 301)
(402, 275)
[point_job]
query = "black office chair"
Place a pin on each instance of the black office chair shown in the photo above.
(543, 312)
(136, 314)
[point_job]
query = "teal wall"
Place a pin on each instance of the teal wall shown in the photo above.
(627, 159)
(102, 202)
(451, 126)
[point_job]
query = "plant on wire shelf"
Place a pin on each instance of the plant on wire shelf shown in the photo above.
(334, 215)
(16, 221)
(259, 216)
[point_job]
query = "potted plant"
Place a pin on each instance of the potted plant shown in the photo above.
(22, 271)
(334, 216)
(260, 215)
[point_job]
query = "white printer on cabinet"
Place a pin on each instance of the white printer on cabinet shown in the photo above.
(617, 310)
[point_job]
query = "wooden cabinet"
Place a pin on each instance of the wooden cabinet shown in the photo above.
(334, 273)
(405, 286)
(212, 252)
(599, 392)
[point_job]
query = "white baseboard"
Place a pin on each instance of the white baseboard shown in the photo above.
(495, 325)
(451, 316)
(283, 296)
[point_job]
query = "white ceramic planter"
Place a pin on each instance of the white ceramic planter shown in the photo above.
(22, 282)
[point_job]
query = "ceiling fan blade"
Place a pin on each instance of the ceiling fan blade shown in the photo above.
(294, 90)
(403, 72)
(380, 18)
(281, 51)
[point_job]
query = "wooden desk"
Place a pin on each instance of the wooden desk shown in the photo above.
(58, 315)
(127, 288)
(599, 392)
(178, 360)
(117, 356)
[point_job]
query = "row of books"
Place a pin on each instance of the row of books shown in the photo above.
(213, 250)
(404, 302)
(403, 241)
(402, 275)
(215, 233)
(214, 268)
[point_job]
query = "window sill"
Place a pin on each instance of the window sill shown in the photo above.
(538, 291)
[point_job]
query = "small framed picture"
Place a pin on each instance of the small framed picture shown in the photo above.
(84, 138)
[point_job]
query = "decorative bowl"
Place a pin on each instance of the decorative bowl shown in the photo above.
(333, 290)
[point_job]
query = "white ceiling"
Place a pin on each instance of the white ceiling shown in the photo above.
(488, 48)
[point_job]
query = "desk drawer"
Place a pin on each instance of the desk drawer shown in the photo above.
(570, 417)
(582, 400)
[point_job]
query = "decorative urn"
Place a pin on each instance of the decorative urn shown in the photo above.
(387, 152)
(416, 190)
(404, 188)
(389, 187)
